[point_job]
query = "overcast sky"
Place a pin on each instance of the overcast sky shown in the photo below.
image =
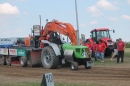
(18, 16)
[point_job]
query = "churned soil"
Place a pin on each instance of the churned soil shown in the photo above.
(97, 75)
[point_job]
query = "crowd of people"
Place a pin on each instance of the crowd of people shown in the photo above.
(99, 47)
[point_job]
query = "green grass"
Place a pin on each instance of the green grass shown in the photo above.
(21, 84)
(127, 52)
(108, 62)
(39, 84)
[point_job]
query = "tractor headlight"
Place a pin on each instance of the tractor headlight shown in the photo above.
(84, 54)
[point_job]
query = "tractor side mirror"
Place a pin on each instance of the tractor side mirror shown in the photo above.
(90, 36)
(113, 31)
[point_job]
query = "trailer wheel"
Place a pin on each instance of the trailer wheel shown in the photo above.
(2, 60)
(8, 60)
(29, 60)
(23, 61)
(74, 66)
(49, 59)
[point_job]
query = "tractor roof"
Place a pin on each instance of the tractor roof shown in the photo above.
(99, 29)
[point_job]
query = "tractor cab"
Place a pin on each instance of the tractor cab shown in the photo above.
(97, 34)
(101, 33)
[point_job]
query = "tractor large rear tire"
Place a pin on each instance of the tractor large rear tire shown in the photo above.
(49, 58)
(108, 53)
(2, 60)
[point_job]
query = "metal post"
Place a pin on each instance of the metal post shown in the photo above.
(31, 32)
(47, 26)
(40, 21)
(78, 43)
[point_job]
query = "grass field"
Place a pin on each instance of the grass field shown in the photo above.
(107, 63)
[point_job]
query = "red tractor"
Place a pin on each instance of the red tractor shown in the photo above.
(104, 35)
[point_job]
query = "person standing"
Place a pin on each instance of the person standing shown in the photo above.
(101, 48)
(88, 44)
(94, 48)
(120, 48)
(115, 49)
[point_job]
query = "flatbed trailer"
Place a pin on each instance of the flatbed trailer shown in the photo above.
(25, 56)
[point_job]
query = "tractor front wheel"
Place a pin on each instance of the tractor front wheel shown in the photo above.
(74, 66)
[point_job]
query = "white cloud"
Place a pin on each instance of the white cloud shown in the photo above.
(106, 5)
(126, 17)
(17, 0)
(113, 19)
(82, 25)
(128, 1)
(116, 3)
(25, 13)
(8, 9)
(94, 11)
(93, 22)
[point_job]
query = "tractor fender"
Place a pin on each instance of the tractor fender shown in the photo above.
(68, 54)
(54, 46)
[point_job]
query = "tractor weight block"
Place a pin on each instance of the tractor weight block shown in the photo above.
(89, 63)
(68, 54)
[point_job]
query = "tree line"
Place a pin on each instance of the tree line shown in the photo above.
(127, 44)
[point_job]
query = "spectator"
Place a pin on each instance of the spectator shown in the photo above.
(101, 48)
(88, 44)
(115, 49)
(120, 48)
(95, 51)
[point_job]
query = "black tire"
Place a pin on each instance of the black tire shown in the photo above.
(108, 53)
(29, 60)
(8, 60)
(2, 60)
(74, 66)
(23, 61)
(49, 59)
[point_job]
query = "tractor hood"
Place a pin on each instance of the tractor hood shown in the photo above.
(108, 41)
(69, 46)
(79, 51)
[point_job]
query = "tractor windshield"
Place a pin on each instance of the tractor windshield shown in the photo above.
(103, 34)
(96, 35)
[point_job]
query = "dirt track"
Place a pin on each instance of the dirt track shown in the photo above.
(108, 76)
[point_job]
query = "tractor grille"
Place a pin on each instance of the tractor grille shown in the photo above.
(77, 49)
(109, 40)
